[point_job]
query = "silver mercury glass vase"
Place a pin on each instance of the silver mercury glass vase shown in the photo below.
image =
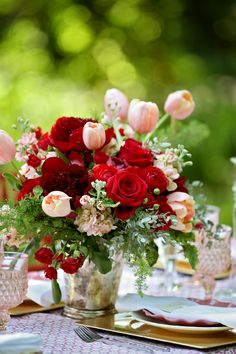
(89, 293)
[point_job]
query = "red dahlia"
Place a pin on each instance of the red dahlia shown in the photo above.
(71, 179)
(67, 134)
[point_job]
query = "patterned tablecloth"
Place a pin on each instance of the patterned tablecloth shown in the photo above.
(59, 338)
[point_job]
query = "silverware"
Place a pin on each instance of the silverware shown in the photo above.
(89, 336)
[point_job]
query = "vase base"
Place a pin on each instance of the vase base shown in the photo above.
(79, 314)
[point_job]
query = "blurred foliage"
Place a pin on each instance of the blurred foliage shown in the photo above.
(58, 58)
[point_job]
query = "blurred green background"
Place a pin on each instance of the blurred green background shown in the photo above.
(58, 58)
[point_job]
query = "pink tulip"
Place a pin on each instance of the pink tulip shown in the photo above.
(116, 104)
(143, 116)
(94, 135)
(7, 148)
(179, 104)
(56, 204)
(183, 206)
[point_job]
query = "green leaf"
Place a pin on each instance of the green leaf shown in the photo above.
(13, 180)
(38, 191)
(152, 254)
(56, 291)
(84, 250)
(191, 254)
(102, 262)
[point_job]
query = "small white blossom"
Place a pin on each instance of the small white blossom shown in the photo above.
(27, 139)
(28, 171)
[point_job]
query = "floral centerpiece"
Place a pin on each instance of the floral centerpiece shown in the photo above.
(90, 189)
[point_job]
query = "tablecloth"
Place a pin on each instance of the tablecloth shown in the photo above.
(59, 337)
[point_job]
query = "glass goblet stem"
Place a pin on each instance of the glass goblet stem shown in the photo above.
(4, 319)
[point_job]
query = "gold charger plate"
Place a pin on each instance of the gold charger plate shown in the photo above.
(28, 306)
(183, 266)
(199, 341)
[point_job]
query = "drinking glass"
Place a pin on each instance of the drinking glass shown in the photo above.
(13, 283)
(228, 293)
(214, 255)
(212, 214)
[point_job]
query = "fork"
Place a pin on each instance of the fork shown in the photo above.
(89, 336)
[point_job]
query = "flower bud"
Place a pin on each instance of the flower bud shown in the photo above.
(143, 116)
(179, 104)
(156, 191)
(94, 135)
(116, 104)
(56, 204)
(7, 148)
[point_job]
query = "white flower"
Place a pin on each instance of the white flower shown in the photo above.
(86, 201)
(20, 156)
(28, 171)
(168, 163)
(94, 222)
(27, 139)
(129, 132)
(111, 148)
(12, 239)
(51, 154)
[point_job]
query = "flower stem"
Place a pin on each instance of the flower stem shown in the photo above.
(117, 133)
(18, 171)
(14, 261)
(56, 291)
(159, 124)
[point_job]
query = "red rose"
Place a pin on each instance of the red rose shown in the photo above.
(38, 133)
(155, 178)
(126, 187)
(71, 179)
(100, 157)
(44, 142)
(33, 161)
(67, 134)
(71, 265)
(44, 255)
(50, 273)
(103, 172)
(28, 187)
(59, 257)
(135, 155)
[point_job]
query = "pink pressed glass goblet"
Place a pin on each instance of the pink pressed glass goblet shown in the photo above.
(13, 283)
(214, 254)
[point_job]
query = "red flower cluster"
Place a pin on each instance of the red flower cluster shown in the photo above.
(66, 134)
(131, 179)
(66, 170)
(69, 265)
